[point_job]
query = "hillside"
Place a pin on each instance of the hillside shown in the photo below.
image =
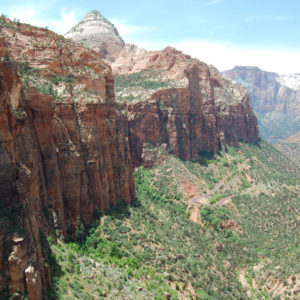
(291, 147)
(274, 98)
(224, 227)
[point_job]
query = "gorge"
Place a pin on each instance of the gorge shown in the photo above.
(126, 173)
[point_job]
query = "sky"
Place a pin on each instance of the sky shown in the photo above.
(225, 33)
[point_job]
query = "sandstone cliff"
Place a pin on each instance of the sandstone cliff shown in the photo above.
(268, 91)
(61, 154)
(175, 102)
(275, 99)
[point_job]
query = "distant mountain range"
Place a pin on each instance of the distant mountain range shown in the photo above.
(274, 98)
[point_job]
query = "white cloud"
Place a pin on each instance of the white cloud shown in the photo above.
(225, 56)
(127, 31)
(67, 21)
(36, 16)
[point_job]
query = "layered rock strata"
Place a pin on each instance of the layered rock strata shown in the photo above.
(274, 98)
(172, 101)
(62, 157)
(99, 34)
(189, 106)
(268, 91)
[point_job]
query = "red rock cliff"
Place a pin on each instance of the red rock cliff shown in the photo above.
(171, 101)
(267, 90)
(61, 154)
(194, 110)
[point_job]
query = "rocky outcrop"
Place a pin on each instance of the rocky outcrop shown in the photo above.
(62, 156)
(202, 112)
(97, 33)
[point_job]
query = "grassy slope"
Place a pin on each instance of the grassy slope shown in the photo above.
(153, 249)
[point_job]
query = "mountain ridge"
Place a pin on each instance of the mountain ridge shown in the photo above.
(169, 90)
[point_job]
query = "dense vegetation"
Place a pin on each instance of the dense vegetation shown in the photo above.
(153, 250)
(138, 86)
(145, 79)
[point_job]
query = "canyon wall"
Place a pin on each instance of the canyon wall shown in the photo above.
(274, 98)
(22, 194)
(195, 111)
(170, 101)
(62, 157)
(67, 150)
(268, 91)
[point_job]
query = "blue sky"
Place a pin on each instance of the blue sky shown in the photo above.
(225, 33)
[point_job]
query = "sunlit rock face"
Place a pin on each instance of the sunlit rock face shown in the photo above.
(62, 156)
(97, 33)
(274, 98)
(189, 106)
(268, 91)
(173, 102)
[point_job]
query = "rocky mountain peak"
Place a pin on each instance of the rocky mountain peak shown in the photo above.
(97, 33)
(94, 15)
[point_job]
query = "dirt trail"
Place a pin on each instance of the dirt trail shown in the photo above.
(223, 201)
(194, 214)
(203, 199)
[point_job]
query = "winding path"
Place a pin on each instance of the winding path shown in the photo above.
(203, 199)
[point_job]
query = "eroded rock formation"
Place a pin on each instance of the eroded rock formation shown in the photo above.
(174, 102)
(274, 98)
(61, 154)
(99, 34)
(268, 91)
(195, 111)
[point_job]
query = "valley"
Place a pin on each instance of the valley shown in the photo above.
(135, 174)
(246, 247)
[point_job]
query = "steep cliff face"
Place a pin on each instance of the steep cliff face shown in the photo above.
(275, 99)
(61, 154)
(22, 194)
(174, 102)
(186, 105)
(99, 34)
(268, 91)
